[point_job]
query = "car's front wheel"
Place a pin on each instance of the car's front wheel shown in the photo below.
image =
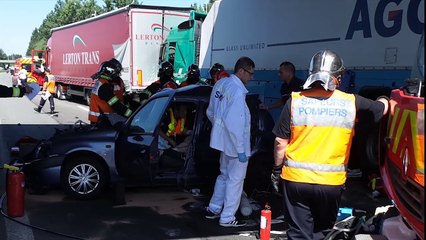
(84, 178)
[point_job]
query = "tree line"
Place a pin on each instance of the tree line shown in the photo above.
(70, 11)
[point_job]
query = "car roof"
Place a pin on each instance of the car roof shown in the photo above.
(192, 91)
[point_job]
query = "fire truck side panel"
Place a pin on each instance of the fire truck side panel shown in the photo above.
(403, 169)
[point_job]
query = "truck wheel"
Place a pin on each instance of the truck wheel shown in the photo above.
(258, 176)
(371, 151)
(59, 94)
(87, 94)
(84, 177)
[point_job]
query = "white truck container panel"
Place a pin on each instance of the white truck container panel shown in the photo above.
(377, 39)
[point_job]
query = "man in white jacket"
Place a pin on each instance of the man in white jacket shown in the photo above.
(230, 134)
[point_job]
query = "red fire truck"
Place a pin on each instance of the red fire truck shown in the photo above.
(402, 157)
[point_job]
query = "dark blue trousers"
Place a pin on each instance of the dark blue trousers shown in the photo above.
(310, 209)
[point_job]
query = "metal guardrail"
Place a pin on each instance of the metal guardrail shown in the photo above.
(7, 61)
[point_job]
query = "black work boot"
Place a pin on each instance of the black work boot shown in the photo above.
(37, 109)
(52, 111)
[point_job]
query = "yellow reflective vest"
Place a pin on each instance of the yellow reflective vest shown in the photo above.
(321, 126)
(175, 128)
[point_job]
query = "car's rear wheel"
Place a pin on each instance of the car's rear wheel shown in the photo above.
(84, 178)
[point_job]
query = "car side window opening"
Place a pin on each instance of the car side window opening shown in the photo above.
(178, 134)
(146, 119)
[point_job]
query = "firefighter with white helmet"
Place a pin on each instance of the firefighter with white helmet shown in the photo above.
(312, 145)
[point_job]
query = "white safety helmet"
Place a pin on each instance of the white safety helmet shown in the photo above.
(324, 66)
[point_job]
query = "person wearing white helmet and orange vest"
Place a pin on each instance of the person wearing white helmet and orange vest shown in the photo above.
(313, 139)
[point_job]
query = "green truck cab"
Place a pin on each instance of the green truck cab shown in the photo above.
(182, 46)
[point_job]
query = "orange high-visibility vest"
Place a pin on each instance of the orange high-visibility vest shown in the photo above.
(50, 84)
(99, 106)
(322, 126)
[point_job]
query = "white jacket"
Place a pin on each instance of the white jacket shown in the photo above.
(230, 117)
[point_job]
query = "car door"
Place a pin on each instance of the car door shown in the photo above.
(137, 143)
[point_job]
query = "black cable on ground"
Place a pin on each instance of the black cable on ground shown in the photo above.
(32, 226)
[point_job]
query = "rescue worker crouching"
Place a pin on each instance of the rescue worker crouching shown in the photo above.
(108, 92)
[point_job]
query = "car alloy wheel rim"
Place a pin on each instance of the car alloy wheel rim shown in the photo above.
(83, 179)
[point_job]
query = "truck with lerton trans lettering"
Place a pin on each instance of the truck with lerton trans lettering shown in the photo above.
(132, 34)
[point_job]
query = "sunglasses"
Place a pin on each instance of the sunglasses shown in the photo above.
(251, 73)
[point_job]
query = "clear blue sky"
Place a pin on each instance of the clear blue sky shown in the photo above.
(19, 18)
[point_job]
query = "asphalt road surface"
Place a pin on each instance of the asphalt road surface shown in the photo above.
(164, 212)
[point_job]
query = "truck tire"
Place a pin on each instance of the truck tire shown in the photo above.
(367, 133)
(258, 176)
(59, 93)
(87, 94)
(84, 177)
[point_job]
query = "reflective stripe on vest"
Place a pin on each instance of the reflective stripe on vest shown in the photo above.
(113, 100)
(128, 113)
(97, 105)
(175, 128)
(321, 134)
(16, 92)
(315, 166)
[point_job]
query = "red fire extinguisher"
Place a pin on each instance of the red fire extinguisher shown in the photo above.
(15, 192)
(265, 223)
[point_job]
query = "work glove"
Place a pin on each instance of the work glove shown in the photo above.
(275, 177)
(242, 157)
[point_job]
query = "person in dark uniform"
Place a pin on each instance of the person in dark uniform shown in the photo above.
(217, 72)
(165, 73)
(192, 76)
(313, 137)
(290, 84)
